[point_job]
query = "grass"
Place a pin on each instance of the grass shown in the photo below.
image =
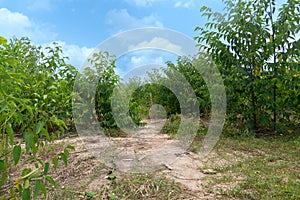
(247, 168)
(257, 168)
(145, 186)
(130, 186)
(74, 181)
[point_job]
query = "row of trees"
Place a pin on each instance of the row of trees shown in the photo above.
(254, 45)
(257, 49)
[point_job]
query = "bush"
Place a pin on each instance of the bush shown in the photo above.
(35, 104)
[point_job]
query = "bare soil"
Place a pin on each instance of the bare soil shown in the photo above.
(146, 151)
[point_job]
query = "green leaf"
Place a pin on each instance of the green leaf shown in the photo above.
(90, 194)
(34, 149)
(43, 188)
(26, 194)
(5, 105)
(39, 127)
(55, 162)
(46, 134)
(46, 168)
(10, 133)
(64, 158)
(20, 188)
(50, 180)
(28, 141)
(26, 184)
(17, 154)
(111, 177)
(37, 188)
(1, 166)
(3, 178)
(66, 152)
(3, 40)
(70, 147)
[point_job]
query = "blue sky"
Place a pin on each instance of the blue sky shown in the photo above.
(80, 25)
(87, 22)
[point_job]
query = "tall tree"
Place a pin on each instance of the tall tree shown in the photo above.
(255, 44)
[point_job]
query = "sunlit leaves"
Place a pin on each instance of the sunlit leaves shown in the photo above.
(254, 47)
(35, 104)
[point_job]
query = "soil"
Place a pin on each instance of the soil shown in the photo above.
(145, 151)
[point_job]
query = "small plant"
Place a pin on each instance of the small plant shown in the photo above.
(172, 125)
(90, 195)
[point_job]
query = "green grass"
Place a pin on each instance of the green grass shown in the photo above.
(130, 186)
(145, 186)
(257, 168)
(247, 168)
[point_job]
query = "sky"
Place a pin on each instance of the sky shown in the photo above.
(81, 25)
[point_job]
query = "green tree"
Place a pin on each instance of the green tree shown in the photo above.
(254, 48)
(94, 87)
(186, 67)
(35, 104)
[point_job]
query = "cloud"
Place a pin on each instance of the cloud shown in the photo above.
(157, 43)
(149, 3)
(136, 61)
(39, 5)
(121, 20)
(144, 60)
(15, 24)
(184, 3)
(143, 3)
(76, 54)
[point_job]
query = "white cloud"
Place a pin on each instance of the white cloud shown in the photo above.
(176, 3)
(143, 3)
(144, 60)
(77, 55)
(139, 61)
(184, 3)
(19, 25)
(15, 24)
(40, 5)
(157, 43)
(121, 20)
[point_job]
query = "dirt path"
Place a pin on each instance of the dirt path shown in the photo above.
(146, 151)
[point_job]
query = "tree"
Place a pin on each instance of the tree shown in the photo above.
(93, 88)
(35, 103)
(254, 50)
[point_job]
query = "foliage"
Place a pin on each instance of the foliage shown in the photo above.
(259, 58)
(151, 94)
(128, 111)
(256, 168)
(172, 124)
(35, 104)
(157, 88)
(256, 50)
(187, 68)
(102, 72)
